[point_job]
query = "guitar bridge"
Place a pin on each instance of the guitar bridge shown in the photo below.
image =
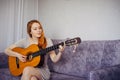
(29, 57)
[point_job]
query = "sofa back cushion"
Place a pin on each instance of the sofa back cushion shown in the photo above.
(111, 54)
(89, 55)
(3, 60)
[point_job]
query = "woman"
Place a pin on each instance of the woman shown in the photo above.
(36, 36)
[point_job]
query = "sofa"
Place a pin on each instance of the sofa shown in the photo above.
(91, 60)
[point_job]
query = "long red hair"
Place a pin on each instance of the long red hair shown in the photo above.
(42, 43)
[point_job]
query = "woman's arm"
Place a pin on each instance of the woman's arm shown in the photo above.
(56, 57)
(9, 52)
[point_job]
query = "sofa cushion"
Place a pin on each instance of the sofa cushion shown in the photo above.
(3, 60)
(58, 76)
(111, 54)
(109, 73)
(5, 75)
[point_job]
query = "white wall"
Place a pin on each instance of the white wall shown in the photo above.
(89, 19)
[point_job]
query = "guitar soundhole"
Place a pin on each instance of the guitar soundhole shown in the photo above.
(17, 62)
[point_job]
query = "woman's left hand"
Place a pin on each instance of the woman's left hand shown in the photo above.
(61, 48)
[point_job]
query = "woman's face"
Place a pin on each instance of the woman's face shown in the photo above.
(36, 30)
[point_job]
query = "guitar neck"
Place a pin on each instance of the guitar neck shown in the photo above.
(46, 50)
(66, 43)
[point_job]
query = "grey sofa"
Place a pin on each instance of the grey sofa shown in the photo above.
(93, 60)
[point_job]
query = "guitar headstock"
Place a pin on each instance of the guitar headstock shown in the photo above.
(73, 41)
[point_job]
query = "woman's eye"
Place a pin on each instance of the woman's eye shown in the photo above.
(35, 29)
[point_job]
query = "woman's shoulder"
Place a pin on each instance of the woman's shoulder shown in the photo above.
(48, 39)
(49, 42)
(22, 42)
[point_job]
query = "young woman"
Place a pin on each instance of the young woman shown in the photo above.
(36, 36)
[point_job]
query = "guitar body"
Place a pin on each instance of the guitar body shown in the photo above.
(16, 66)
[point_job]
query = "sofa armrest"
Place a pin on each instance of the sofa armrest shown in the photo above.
(111, 73)
(3, 60)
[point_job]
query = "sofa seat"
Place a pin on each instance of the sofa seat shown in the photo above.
(5, 75)
(59, 76)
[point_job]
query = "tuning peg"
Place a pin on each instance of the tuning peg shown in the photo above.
(74, 48)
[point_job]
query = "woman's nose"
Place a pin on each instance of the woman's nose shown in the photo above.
(39, 30)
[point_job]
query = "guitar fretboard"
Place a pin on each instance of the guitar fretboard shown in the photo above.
(46, 50)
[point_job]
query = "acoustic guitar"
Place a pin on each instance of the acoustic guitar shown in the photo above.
(33, 54)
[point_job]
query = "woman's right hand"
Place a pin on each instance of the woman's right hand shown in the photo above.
(21, 57)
